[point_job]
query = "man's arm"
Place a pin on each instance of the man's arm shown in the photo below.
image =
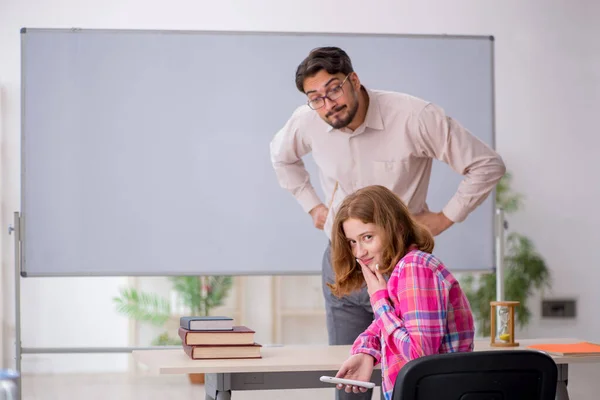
(287, 149)
(441, 137)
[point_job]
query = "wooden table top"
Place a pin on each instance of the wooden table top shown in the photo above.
(297, 358)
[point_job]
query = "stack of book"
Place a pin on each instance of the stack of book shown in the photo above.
(205, 338)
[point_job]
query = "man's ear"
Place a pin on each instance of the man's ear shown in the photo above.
(355, 80)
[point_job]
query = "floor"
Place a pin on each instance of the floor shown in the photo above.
(146, 387)
(583, 385)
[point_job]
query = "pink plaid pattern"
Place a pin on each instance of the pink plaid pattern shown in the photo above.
(423, 311)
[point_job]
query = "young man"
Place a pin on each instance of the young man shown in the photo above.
(361, 137)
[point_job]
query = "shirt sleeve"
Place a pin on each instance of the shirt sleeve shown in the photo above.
(287, 149)
(443, 138)
(368, 343)
(417, 327)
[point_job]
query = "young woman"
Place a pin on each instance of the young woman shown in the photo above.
(419, 308)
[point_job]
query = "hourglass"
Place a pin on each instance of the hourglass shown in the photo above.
(503, 333)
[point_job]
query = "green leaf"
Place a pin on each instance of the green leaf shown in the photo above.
(525, 270)
(220, 286)
(193, 291)
(189, 289)
(144, 307)
(505, 199)
(165, 340)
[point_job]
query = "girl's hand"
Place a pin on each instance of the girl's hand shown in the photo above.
(358, 367)
(375, 281)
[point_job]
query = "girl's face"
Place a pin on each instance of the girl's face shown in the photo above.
(366, 242)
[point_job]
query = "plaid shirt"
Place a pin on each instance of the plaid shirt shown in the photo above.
(423, 311)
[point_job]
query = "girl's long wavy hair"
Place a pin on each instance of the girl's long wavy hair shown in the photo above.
(380, 206)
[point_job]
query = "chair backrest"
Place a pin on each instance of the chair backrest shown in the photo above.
(480, 375)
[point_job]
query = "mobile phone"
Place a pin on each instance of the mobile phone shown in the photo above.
(331, 379)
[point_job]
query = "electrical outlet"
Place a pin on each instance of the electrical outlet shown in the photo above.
(559, 308)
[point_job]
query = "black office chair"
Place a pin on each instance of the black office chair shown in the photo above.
(480, 375)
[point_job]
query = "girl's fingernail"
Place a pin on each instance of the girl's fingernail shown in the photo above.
(377, 267)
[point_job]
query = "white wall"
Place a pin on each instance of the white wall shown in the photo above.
(72, 312)
(3, 325)
(547, 76)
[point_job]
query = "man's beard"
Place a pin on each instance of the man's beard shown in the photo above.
(343, 122)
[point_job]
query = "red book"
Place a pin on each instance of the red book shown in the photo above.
(238, 335)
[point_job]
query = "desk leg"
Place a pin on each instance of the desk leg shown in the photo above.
(217, 386)
(561, 384)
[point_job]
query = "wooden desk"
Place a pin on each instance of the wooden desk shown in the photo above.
(298, 367)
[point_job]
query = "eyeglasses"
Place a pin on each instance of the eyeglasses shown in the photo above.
(334, 94)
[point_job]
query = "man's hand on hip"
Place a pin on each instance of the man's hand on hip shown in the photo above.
(319, 215)
(435, 222)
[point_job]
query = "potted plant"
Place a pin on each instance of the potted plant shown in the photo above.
(524, 269)
(198, 294)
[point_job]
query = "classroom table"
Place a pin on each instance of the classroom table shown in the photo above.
(300, 366)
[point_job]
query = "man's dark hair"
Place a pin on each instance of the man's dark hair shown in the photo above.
(332, 59)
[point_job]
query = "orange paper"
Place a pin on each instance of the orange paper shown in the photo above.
(581, 348)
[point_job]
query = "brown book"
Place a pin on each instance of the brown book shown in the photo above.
(222, 352)
(239, 335)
